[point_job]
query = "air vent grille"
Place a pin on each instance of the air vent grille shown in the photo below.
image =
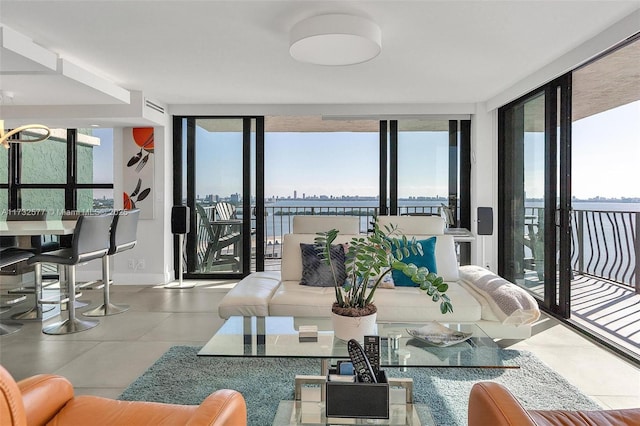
(154, 106)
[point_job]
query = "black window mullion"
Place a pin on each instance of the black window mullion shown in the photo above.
(259, 208)
(15, 171)
(383, 207)
(191, 194)
(453, 169)
(246, 195)
(465, 174)
(70, 195)
(393, 167)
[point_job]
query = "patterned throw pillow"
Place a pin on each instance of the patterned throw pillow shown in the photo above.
(315, 271)
(428, 260)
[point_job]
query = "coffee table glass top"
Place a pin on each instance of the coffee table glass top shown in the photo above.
(278, 337)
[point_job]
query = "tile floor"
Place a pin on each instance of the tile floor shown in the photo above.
(106, 359)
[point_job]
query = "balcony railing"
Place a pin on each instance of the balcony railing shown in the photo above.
(278, 220)
(604, 244)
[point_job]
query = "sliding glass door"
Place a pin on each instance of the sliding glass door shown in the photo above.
(218, 155)
(534, 204)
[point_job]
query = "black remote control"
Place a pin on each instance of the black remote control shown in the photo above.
(372, 351)
(361, 364)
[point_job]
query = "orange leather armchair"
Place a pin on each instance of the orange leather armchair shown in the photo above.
(47, 399)
(492, 404)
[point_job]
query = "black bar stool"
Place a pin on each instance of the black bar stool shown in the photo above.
(10, 256)
(123, 236)
(38, 245)
(90, 241)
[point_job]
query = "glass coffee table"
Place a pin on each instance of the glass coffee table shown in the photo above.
(278, 337)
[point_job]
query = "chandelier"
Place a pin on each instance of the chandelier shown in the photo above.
(14, 136)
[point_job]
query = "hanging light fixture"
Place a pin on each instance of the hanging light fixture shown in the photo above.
(335, 39)
(8, 136)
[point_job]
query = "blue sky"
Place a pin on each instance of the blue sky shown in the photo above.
(606, 161)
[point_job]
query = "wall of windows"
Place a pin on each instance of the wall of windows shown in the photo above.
(71, 170)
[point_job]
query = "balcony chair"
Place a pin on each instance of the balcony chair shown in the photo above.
(217, 236)
(491, 403)
(122, 237)
(49, 399)
(90, 241)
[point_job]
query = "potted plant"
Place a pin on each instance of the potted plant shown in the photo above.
(368, 259)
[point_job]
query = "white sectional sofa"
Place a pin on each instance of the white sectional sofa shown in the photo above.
(470, 287)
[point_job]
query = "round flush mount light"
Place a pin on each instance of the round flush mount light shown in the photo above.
(335, 40)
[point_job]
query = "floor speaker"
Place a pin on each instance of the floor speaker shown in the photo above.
(180, 220)
(485, 221)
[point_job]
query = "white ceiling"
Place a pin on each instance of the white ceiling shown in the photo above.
(236, 52)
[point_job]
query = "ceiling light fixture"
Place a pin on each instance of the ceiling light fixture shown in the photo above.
(335, 39)
(38, 136)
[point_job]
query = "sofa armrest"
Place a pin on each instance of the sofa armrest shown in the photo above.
(43, 396)
(491, 403)
(224, 407)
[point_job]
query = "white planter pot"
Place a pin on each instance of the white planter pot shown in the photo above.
(347, 328)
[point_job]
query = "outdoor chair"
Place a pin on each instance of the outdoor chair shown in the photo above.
(218, 239)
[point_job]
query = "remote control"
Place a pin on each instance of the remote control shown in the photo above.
(360, 362)
(372, 351)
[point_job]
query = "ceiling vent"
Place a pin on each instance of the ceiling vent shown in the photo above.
(154, 106)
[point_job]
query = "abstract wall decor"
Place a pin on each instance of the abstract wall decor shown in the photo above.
(138, 172)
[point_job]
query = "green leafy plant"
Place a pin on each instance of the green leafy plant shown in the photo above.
(371, 257)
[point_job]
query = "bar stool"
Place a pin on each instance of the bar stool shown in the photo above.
(90, 241)
(38, 245)
(123, 236)
(10, 256)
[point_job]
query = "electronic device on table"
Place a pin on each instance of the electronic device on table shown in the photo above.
(361, 365)
(372, 351)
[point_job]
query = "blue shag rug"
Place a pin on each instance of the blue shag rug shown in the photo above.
(182, 377)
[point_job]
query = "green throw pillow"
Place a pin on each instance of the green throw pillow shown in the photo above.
(428, 260)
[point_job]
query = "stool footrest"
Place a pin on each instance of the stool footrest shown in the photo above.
(57, 299)
(7, 300)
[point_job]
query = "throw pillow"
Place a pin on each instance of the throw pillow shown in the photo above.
(387, 281)
(427, 259)
(316, 272)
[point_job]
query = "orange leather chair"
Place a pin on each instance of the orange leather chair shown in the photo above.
(47, 399)
(492, 404)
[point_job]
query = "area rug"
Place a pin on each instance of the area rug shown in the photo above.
(181, 377)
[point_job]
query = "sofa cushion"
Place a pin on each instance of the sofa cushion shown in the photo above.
(401, 304)
(410, 304)
(250, 297)
(446, 257)
(293, 299)
(427, 260)
(291, 265)
(316, 272)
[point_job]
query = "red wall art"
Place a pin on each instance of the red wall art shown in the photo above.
(138, 173)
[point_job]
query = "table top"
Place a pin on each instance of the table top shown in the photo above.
(37, 227)
(278, 337)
